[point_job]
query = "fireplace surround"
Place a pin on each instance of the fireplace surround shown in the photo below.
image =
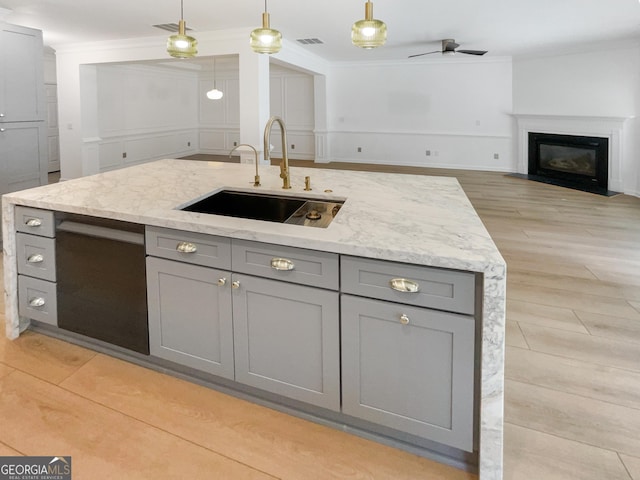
(612, 128)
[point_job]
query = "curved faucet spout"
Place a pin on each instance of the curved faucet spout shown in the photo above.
(256, 181)
(284, 165)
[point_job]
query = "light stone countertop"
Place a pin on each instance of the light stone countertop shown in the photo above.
(415, 219)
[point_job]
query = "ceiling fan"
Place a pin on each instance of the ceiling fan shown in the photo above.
(449, 47)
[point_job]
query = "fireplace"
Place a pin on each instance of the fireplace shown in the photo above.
(573, 161)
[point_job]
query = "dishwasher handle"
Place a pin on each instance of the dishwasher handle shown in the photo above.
(101, 232)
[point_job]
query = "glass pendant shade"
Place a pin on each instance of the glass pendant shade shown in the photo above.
(265, 39)
(182, 45)
(214, 94)
(368, 33)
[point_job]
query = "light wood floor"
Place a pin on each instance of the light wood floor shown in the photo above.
(572, 405)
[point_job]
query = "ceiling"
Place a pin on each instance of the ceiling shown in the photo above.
(503, 27)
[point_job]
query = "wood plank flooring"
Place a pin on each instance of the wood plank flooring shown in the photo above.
(572, 404)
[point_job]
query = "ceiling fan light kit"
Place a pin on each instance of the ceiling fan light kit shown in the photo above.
(368, 33)
(265, 39)
(182, 45)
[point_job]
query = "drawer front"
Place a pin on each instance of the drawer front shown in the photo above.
(35, 221)
(290, 264)
(36, 256)
(37, 300)
(448, 290)
(189, 247)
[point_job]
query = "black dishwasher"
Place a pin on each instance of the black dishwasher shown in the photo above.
(100, 270)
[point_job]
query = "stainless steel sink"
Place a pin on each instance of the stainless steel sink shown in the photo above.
(268, 207)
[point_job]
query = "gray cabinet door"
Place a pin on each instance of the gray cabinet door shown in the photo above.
(190, 316)
(409, 368)
(287, 339)
(21, 74)
(23, 156)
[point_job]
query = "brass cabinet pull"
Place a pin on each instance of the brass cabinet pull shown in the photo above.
(3, 129)
(404, 319)
(235, 284)
(282, 264)
(35, 258)
(34, 222)
(187, 247)
(222, 282)
(36, 302)
(404, 285)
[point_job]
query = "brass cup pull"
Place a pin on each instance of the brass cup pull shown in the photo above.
(35, 258)
(235, 285)
(36, 302)
(282, 264)
(404, 319)
(187, 247)
(404, 285)
(33, 222)
(222, 282)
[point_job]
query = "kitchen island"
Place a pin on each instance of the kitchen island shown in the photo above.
(415, 220)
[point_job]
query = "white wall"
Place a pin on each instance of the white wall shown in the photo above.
(395, 112)
(604, 83)
(143, 113)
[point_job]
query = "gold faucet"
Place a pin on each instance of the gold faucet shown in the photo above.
(256, 181)
(284, 165)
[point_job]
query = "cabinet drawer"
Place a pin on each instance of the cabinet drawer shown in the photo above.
(35, 221)
(297, 265)
(436, 288)
(189, 247)
(36, 256)
(37, 299)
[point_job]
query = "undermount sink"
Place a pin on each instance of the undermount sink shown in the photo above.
(268, 207)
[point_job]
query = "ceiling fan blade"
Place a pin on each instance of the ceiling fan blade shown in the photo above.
(472, 52)
(421, 54)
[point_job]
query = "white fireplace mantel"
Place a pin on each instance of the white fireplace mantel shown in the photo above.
(590, 126)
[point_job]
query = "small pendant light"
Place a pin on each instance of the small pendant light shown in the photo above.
(368, 33)
(182, 45)
(214, 94)
(265, 39)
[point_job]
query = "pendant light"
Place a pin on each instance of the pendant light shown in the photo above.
(182, 45)
(265, 39)
(214, 94)
(368, 33)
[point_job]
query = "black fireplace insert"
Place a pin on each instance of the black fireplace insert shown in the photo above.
(570, 160)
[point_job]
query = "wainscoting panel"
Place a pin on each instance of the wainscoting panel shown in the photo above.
(440, 150)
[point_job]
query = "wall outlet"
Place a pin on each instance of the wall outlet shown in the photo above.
(124, 154)
(496, 156)
(428, 153)
(293, 146)
(188, 144)
(359, 149)
(235, 144)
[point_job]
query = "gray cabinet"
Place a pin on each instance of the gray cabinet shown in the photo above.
(275, 335)
(407, 367)
(190, 316)
(36, 258)
(286, 339)
(23, 134)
